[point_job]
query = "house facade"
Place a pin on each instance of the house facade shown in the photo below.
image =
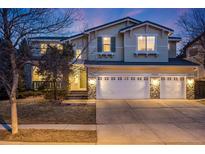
(125, 59)
(195, 52)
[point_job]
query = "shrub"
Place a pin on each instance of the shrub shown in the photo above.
(61, 94)
(29, 93)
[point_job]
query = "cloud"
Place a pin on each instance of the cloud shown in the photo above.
(134, 12)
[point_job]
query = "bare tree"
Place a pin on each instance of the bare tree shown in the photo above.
(54, 65)
(15, 25)
(192, 25)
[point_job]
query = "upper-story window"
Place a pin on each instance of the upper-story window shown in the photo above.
(106, 44)
(146, 43)
(78, 54)
(43, 47)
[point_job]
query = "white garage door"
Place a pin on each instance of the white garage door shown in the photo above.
(172, 87)
(118, 87)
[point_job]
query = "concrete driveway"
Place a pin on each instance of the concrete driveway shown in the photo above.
(150, 122)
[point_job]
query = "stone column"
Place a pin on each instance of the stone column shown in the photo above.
(154, 87)
(190, 84)
(91, 87)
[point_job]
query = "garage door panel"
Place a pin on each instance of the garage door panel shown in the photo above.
(172, 89)
(122, 89)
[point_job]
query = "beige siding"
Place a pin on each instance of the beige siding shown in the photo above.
(111, 31)
(81, 43)
(172, 49)
(130, 43)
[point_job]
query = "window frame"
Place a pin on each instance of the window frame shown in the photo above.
(146, 35)
(110, 44)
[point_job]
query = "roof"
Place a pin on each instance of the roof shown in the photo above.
(145, 22)
(171, 62)
(73, 36)
(193, 41)
(58, 38)
(173, 38)
(110, 23)
(137, 23)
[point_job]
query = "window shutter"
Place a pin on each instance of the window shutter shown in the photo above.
(113, 44)
(99, 44)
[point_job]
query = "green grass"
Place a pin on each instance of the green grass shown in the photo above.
(42, 135)
(45, 112)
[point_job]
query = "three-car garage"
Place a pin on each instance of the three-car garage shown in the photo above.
(139, 87)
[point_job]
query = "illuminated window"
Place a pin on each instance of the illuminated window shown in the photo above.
(141, 41)
(150, 43)
(59, 46)
(43, 47)
(52, 44)
(106, 44)
(35, 75)
(146, 43)
(78, 54)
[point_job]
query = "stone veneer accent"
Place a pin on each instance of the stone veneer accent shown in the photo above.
(154, 88)
(91, 88)
(190, 89)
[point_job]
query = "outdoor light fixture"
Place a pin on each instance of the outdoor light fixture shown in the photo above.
(155, 82)
(190, 81)
(92, 81)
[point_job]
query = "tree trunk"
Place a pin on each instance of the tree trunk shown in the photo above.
(15, 74)
(54, 89)
(14, 116)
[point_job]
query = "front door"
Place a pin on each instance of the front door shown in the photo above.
(78, 79)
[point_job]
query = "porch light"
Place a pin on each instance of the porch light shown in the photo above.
(92, 81)
(155, 82)
(190, 81)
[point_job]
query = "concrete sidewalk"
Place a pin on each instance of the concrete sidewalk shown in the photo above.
(53, 126)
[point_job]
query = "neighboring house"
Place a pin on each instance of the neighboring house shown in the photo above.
(195, 52)
(126, 59)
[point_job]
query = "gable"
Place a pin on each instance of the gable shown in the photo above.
(147, 24)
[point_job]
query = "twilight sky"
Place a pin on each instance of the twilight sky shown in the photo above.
(98, 16)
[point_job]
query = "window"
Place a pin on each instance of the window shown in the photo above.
(150, 43)
(141, 41)
(35, 75)
(59, 47)
(146, 43)
(106, 44)
(43, 48)
(78, 54)
(112, 78)
(126, 78)
(119, 78)
(106, 78)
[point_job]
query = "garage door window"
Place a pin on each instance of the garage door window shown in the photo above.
(112, 78)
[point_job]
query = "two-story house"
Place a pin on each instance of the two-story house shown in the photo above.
(194, 51)
(126, 59)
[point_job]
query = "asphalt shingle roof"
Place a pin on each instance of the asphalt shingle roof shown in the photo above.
(171, 62)
(126, 28)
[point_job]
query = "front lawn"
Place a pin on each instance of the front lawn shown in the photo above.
(42, 135)
(45, 112)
